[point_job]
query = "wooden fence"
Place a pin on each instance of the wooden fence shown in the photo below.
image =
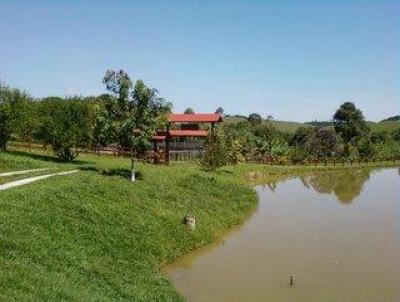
(193, 155)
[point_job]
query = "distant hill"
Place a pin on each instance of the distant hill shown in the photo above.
(284, 126)
(388, 126)
(291, 127)
(391, 119)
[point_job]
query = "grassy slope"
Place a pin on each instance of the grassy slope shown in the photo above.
(285, 126)
(388, 126)
(96, 236)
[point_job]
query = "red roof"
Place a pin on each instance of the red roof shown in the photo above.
(195, 117)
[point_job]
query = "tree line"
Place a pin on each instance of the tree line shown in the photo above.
(131, 112)
(128, 116)
(257, 140)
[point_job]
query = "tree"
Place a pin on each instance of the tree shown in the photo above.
(396, 134)
(322, 143)
(349, 123)
(189, 110)
(266, 131)
(15, 115)
(366, 148)
(255, 119)
(241, 131)
(102, 127)
(220, 111)
(120, 84)
(214, 155)
(234, 152)
(65, 125)
(5, 124)
(234, 141)
(148, 111)
(300, 136)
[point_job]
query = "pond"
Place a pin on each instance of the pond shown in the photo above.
(337, 233)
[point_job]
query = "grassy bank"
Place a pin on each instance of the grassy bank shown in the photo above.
(95, 236)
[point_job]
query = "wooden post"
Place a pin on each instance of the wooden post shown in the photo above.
(212, 140)
(155, 152)
(167, 136)
(291, 280)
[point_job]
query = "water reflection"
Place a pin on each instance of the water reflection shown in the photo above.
(346, 185)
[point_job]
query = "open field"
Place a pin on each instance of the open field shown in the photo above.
(95, 235)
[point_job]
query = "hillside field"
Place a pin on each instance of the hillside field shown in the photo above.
(291, 127)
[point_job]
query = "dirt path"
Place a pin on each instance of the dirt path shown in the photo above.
(25, 181)
(21, 172)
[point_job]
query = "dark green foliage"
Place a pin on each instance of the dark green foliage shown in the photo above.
(349, 123)
(70, 127)
(396, 134)
(137, 115)
(255, 119)
(366, 148)
(215, 153)
(220, 110)
(103, 130)
(5, 124)
(189, 110)
(301, 135)
(379, 137)
(15, 115)
(147, 108)
(120, 84)
(322, 143)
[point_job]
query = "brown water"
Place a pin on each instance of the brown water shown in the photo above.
(338, 233)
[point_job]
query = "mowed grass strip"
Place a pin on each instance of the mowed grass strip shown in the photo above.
(95, 236)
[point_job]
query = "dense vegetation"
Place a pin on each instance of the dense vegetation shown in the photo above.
(349, 136)
(127, 117)
(130, 114)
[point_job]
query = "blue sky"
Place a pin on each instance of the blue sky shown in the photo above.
(295, 60)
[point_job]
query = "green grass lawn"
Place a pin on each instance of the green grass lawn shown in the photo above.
(96, 236)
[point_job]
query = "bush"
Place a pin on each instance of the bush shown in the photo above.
(215, 155)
